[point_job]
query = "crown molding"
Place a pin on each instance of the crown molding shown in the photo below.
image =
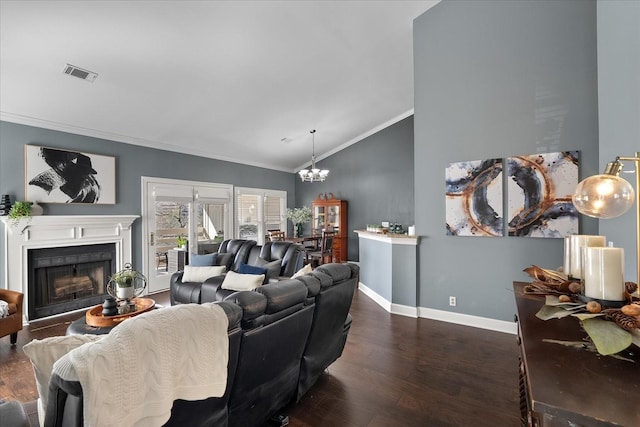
(359, 138)
(94, 133)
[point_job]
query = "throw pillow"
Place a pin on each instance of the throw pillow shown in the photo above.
(200, 274)
(304, 270)
(44, 353)
(242, 282)
(251, 269)
(273, 268)
(202, 260)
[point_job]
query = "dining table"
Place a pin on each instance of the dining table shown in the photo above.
(303, 239)
(309, 243)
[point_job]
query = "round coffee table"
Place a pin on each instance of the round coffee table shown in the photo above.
(78, 327)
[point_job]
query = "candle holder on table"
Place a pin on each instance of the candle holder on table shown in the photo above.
(603, 276)
(573, 255)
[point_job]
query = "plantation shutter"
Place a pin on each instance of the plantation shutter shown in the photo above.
(272, 213)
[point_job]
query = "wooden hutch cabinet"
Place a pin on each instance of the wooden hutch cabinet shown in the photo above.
(331, 213)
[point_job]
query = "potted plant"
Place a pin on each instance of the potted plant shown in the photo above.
(299, 216)
(181, 241)
(18, 211)
(126, 281)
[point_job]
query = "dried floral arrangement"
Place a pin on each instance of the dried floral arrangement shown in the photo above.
(610, 329)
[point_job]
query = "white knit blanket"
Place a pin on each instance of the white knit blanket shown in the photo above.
(133, 375)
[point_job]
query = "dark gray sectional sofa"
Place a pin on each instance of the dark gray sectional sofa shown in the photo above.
(282, 336)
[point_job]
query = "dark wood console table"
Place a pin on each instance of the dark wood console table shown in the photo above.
(565, 386)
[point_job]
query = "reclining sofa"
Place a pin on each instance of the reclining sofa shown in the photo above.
(282, 336)
(281, 259)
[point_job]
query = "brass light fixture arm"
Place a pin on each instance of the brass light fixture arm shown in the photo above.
(636, 160)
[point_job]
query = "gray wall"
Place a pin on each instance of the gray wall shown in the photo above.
(132, 162)
(619, 107)
(485, 74)
(481, 68)
(375, 175)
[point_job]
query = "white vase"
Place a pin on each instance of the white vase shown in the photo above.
(36, 209)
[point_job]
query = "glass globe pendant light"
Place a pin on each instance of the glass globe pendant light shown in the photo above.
(606, 195)
(609, 196)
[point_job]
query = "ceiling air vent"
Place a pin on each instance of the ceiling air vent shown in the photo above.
(80, 73)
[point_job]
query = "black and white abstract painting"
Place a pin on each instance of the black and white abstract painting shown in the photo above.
(62, 176)
(539, 194)
(474, 198)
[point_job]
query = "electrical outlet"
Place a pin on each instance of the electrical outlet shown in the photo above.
(452, 301)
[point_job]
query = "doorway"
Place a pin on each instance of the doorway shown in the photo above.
(179, 218)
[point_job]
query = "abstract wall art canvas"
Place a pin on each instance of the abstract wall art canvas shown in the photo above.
(539, 194)
(474, 197)
(63, 176)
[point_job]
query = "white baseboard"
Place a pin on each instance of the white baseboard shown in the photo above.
(375, 297)
(468, 320)
(404, 310)
(441, 315)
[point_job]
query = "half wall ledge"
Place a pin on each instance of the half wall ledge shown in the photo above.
(388, 267)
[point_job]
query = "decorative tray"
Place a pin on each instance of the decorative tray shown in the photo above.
(95, 318)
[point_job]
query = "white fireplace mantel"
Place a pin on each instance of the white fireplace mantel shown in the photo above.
(52, 231)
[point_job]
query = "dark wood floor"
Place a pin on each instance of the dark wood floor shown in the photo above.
(395, 371)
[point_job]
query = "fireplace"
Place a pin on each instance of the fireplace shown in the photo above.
(68, 278)
(81, 277)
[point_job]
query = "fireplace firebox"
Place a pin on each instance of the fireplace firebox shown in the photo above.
(68, 278)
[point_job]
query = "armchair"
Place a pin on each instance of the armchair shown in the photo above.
(11, 324)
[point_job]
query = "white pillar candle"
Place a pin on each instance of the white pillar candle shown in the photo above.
(412, 230)
(603, 270)
(578, 241)
(566, 265)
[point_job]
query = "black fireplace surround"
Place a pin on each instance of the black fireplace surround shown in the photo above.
(68, 278)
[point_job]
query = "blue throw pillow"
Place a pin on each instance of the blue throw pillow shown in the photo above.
(251, 269)
(196, 260)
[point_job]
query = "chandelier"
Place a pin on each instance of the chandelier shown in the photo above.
(314, 174)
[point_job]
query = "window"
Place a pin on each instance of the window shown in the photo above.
(258, 211)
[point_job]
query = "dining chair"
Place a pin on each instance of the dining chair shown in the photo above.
(312, 243)
(275, 235)
(326, 249)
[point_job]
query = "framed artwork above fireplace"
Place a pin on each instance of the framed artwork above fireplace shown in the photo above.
(53, 175)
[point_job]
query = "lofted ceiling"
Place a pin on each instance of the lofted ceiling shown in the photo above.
(243, 81)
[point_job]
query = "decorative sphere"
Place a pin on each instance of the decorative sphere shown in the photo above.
(603, 196)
